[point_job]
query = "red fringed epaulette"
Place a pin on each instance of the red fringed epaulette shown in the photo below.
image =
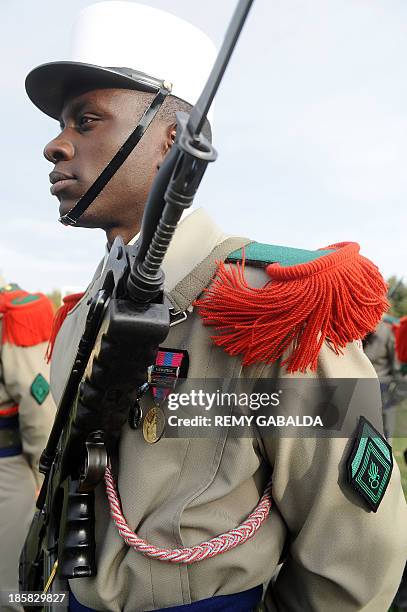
(27, 317)
(69, 301)
(401, 340)
(337, 295)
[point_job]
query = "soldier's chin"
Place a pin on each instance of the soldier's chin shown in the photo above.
(85, 220)
(65, 206)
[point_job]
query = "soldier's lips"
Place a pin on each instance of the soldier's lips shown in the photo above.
(61, 185)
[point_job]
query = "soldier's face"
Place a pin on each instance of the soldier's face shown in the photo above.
(93, 127)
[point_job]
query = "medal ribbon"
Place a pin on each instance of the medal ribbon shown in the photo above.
(163, 376)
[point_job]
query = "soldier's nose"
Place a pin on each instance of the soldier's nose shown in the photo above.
(59, 149)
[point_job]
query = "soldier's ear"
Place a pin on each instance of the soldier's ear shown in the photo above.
(169, 140)
(170, 136)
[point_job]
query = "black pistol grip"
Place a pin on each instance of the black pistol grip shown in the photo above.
(76, 545)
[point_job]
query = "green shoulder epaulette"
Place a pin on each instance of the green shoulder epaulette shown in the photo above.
(259, 255)
(390, 319)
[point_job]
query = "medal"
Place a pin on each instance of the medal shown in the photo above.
(153, 425)
(162, 377)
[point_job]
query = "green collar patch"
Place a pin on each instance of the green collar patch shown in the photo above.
(39, 389)
(370, 464)
(260, 255)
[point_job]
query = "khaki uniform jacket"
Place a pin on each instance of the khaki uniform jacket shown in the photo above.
(18, 368)
(338, 556)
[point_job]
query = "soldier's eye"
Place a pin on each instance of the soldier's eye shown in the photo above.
(85, 121)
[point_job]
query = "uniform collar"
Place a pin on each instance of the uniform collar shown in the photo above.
(185, 214)
(195, 237)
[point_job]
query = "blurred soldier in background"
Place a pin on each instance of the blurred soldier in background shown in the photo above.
(400, 601)
(26, 415)
(401, 345)
(379, 346)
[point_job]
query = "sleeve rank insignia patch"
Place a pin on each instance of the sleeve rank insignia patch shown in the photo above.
(370, 464)
(39, 389)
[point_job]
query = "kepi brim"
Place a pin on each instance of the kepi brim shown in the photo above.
(48, 86)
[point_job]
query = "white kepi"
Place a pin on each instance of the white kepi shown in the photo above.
(126, 45)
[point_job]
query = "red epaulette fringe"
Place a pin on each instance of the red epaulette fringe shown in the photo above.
(69, 302)
(401, 340)
(26, 322)
(339, 297)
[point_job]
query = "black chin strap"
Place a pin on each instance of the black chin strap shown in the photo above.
(122, 154)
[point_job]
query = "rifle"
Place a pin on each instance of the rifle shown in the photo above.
(127, 317)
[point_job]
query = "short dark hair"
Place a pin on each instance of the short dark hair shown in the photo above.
(170, 107)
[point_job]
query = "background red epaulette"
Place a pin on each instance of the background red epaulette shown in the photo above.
(69, 302)
(401, 340)
(27, 318)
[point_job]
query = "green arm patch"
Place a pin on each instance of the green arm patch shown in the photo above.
(370, 464)
(39, 389)
(260, 255)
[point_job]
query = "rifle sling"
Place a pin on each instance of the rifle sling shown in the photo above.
(192, 285)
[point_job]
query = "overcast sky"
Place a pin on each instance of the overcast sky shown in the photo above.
(311, 130)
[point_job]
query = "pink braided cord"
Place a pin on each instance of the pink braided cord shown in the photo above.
(192, 554)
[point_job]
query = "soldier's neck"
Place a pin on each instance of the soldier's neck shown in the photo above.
(127, 233)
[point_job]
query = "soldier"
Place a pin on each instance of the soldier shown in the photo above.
(26, 416)
(401, 344)
(344, 544)
(400, 601)
(379, 346)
